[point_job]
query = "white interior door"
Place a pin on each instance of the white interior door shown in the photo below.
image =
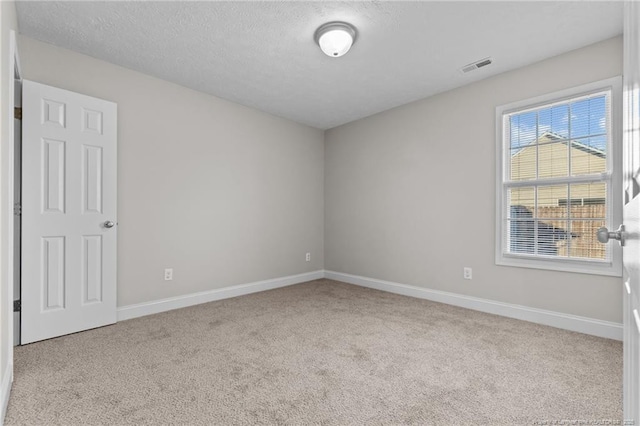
(68, 212)
(631, 212)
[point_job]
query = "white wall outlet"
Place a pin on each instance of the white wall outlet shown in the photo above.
(168, 274)
(467, 273)
(308, 257)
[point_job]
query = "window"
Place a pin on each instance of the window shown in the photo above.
(558, 180)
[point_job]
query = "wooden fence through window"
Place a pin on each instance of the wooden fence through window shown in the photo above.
(582, 224)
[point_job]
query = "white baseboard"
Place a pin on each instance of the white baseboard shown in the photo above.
(162, 305)
(610, 330)
(5, 391)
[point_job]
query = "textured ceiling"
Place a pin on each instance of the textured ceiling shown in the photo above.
(262, 54)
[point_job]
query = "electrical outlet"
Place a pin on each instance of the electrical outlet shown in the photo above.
(168, 274)
(467, 273)
(308, 257)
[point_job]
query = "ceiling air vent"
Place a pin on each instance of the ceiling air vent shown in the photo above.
(475, 65)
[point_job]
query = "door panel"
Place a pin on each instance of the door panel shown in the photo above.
(68, 193)
(53, 282)
(92, 269)
(92, 179)
(53, 175)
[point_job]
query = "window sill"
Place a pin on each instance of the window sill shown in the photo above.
(613, 269)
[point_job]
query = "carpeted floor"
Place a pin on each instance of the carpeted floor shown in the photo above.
(322, 352)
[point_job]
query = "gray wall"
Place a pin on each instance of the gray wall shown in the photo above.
(227, 195)
(410, 192)
(221, 193)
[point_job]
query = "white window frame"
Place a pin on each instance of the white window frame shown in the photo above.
(614, 188)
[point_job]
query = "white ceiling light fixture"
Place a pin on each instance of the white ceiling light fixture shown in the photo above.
(335, 38)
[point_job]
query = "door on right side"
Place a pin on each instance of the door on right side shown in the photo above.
(631, 213)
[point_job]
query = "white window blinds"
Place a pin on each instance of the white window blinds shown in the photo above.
(556, 179)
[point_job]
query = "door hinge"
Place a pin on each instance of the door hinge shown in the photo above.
(17, 113)
(17, 305)
(17, 209)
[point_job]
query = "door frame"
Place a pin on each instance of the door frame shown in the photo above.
(8, 187)
(7, 239)
(16, 201)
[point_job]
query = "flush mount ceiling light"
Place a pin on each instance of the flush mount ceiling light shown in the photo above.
(335, 38)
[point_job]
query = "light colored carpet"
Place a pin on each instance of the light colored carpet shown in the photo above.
(322, 352)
